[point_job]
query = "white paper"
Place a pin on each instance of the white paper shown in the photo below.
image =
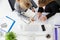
(8, 23)
(29, 13)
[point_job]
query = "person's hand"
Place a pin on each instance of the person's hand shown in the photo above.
(32, 19)
(33, 10)
(39, 15)
(43, 18)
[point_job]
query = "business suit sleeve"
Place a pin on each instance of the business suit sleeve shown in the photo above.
(33, 4)
(50, 15)
(53, 10)
(40, 9)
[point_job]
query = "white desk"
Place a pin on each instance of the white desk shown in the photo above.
(5, 10)
(17, 28)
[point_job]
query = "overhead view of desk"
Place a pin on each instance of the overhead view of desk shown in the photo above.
(11, 21)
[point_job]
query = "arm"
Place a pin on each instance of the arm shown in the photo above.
(50, 15)
(33, 4)
(40, 10)
(54, 8)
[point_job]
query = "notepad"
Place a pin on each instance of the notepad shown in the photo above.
(29, 13)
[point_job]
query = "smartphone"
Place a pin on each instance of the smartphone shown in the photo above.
(43, 28)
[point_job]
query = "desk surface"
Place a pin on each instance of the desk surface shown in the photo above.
(5, 10)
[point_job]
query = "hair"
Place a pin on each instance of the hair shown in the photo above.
(25, 4)
(44, 2)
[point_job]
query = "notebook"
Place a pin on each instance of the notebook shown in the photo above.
(27, 15)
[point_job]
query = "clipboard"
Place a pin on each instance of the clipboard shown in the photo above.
(6, 23)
